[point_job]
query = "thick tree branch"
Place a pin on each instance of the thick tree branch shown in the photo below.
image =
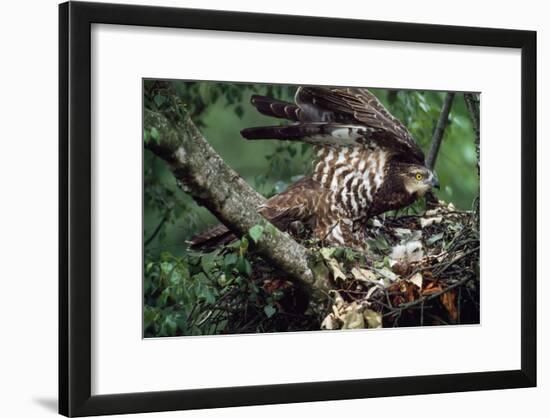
(439, 130)
(203, 174)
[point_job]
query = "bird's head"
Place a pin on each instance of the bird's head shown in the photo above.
(419, 179)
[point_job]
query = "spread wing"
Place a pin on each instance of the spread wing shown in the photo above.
(337, 116)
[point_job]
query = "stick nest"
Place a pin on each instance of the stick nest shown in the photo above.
(418, 270)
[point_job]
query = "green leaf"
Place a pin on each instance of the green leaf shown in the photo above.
(175, 277)
(207, 295)
(349, 254)
(155, 134)
(434, 238)
(163, 297)
(159, 100)
(149, 316)
(243, 247)
(166, 267)
(338, 252)
(182, 323)
(269, 310)
(380, 244)
(244, 266)
(169, 327)
(165, 256)
(256, 232)
(208, 263)
(230, 259)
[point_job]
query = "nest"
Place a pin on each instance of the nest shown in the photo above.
(418, 270)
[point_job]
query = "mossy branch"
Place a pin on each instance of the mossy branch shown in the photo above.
(203, 174)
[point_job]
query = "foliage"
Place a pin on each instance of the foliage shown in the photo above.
(203, 294)
(230, 290)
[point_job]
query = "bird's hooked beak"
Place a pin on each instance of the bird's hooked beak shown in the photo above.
(435, 181)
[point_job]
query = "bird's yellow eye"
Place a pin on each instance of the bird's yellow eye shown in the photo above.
(419, 176)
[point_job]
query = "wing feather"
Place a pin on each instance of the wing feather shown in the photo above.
(360, 106)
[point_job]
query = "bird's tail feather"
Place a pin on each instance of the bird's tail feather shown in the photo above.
(221, 235)
(275, 108)
(317, 133)
(212, 238)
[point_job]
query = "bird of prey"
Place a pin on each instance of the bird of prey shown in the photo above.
(367, 163)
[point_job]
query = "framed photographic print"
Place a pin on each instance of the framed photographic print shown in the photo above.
(286, 209)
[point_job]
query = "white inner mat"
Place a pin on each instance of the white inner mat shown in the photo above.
(124, 362)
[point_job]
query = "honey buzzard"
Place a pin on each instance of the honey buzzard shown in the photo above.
(367, 163)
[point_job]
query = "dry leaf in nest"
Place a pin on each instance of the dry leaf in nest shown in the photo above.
(388, 275)
(338, 300)
(335, 269)
(352, 317)
(432, 212)
(330, 322)
(431, 288)
(364, 275)
(332, 264)
(402, 232)
(344, 317)
(417, 280)
(405, 292)
(373, 318)
(411, 293)
(448, 299)
(425, 222)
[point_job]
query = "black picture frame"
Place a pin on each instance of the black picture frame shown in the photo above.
(75, 176)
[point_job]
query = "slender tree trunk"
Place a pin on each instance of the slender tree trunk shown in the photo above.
(437, 138)
(472, 104)
(439, 132)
